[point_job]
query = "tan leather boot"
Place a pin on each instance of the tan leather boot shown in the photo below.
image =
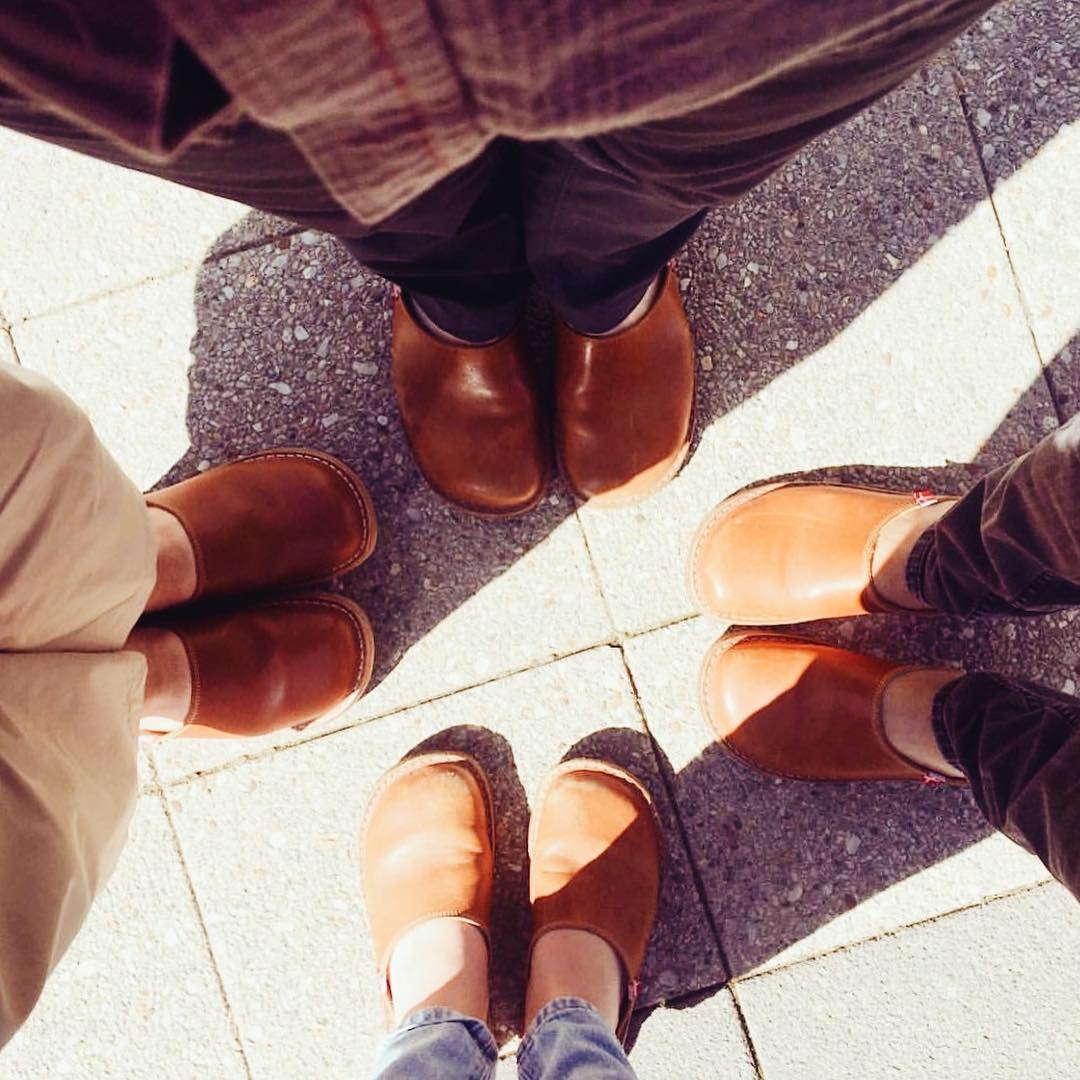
(596, 860)
(427, 849)
(797, 709)
(786, 553)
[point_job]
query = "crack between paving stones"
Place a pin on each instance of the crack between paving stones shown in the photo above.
(153, 279)
(1025, 308)
(234, 1026)
(885, 935)
(10, 338)
(259, 755)
(594, 568)
(699, 884)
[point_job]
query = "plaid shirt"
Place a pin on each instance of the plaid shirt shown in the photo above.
(386, 97)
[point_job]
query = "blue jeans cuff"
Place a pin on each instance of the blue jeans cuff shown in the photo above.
(555, 1008)
(437, 1014)
(569, 1038)
(428, 1041)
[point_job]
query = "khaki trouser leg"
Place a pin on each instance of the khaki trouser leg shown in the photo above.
(76, 567)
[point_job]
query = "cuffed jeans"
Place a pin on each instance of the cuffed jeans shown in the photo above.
(1011, 546)
(567, 1041)
(590, 221)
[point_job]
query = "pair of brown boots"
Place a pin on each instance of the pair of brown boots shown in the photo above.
(428, 852)
(478, 423)
(263, 655)
(798, 552)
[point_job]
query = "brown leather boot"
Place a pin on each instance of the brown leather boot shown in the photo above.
(596, 860)
(281, 663)
(286, 517)
(624, 403)
(804, 711)
(473, 418)
(786, 553)
(427, 849)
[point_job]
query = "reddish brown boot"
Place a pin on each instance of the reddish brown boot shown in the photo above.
(473, 418)
(624, 403)
(281, 663)
(282, 518)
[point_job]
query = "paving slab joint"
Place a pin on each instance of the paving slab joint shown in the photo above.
(230, 1016)
(1025, 307)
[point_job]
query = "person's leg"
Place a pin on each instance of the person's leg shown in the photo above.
(68, 749)
(573, 1004)
(597, 234)
(1018, 744)
(77, 564)
(438, 1044)
(457, 250)
(77, 549)
(604, 214)
(1011, 545)
(570, 1040)
(430, 916)
(81, 557)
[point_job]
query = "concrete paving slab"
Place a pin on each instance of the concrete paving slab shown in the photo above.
(7, 347)
(838, 318)
(77, 228)
(988, 993)
(1019, 70)
(270, 845)
(795, 869)
(696, 1040)
(124, 359)
(136, 997)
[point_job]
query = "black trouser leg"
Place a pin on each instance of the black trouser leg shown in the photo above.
(1019, 746)
(1011, 545)
(458, 249)
(604, 214)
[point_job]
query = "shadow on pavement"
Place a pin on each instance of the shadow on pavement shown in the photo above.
(292, 341)
(781, 857)
(835, 229)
